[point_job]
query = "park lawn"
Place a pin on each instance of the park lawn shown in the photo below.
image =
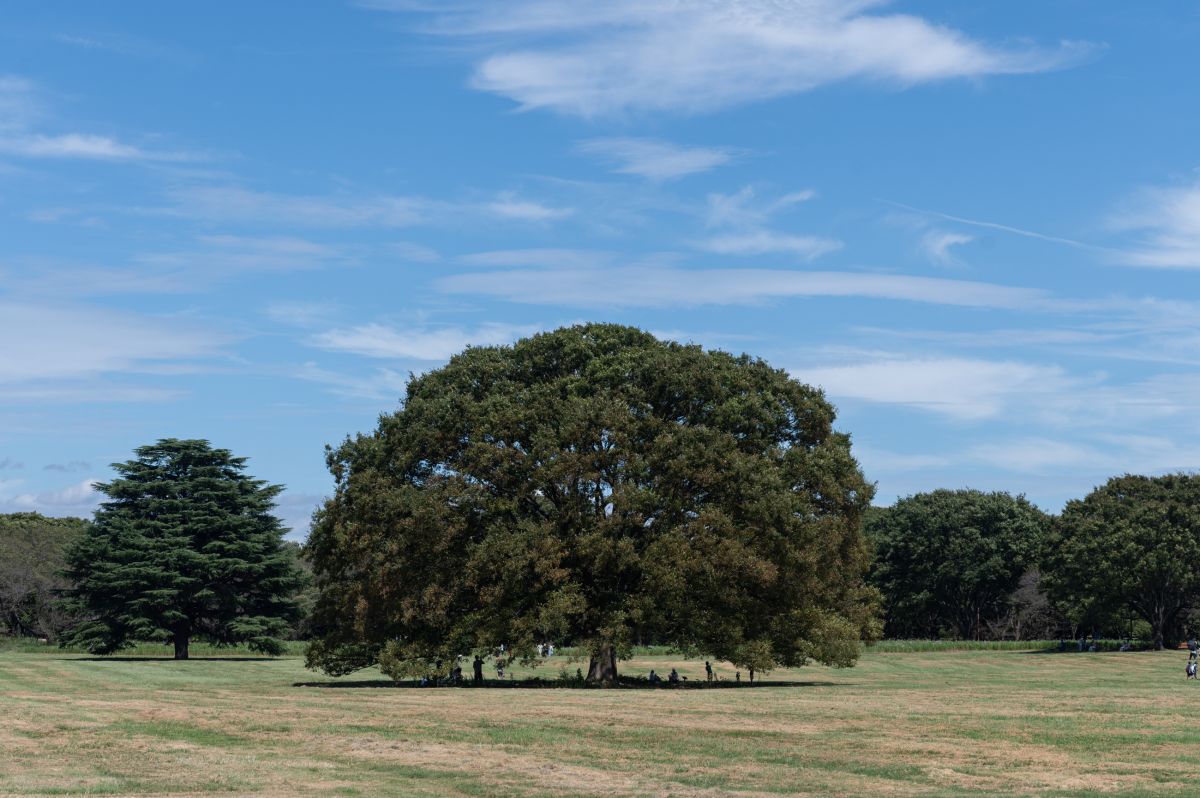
(922, 723)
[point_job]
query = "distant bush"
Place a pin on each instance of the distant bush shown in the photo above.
(31, 645)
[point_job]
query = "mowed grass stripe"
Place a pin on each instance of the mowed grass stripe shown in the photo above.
(923, 723)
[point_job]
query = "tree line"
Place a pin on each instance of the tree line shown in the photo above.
(1124, 561)
(596, 487)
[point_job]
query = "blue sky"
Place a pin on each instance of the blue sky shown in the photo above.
(976, 225)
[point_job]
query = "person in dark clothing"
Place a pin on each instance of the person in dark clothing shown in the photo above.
(674, 677)
(477, 666)
(708, 670)
(1193, 648)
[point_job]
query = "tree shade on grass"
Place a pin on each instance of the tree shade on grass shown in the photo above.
(597, 486)
(949, 560)
(186, 546)
(1132, 544)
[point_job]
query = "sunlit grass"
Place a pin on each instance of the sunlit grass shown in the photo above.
(901, 723)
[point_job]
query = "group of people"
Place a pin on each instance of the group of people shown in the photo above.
(674, 677)
(456, 672)
(547, 650)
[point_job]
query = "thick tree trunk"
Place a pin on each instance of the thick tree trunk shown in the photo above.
(1158, 626)
(603, 666)
(181, 645)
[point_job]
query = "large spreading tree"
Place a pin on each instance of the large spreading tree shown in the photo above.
(185, 547)
(949, 560)
(1132, 544)
(596, 486)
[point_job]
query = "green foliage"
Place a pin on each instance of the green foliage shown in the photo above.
(306, 594)
(32, 553)
(1131, 544)
(949, 560)
(598, 487)
(185, 546)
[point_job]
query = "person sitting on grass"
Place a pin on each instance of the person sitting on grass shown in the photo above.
(674, 677)
(654, 678)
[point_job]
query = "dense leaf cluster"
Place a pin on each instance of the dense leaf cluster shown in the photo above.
(185, 546)
(597, 486)
(32, 555)
(1132, 544)
(949, 561)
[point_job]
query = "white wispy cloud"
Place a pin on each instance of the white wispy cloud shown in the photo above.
(746, 216)
(64, 342)
(656, 286)
(549, 258)
(509, 206)
(602, 57)
(420, 343)
(295, 509)
(20, 111)
(237, 205)
(417, 253)
(80, 499)
(961, 388)
(655, 159)
(302, 313)
(1039, 455)
(85, 391)
(765, 242)
(222, 257)
(1167, 223)
(874, 459)
(743, 208)
(199, 265)
(999, 338)
(383, 385)
(999, 227)
(82, 145)
(17, 107)
(937, 244)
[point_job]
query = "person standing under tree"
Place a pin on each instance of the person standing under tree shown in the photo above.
(477, 666)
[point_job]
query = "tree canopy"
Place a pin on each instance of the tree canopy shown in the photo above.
(32, 555)
(1132, 544)
(185, 547)
(596, 486)
(949, 560)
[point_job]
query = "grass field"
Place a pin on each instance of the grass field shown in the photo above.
(911, 723)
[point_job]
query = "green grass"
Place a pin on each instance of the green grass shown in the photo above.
(906, 721)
